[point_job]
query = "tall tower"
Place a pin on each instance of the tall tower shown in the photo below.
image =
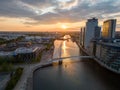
(109, 29)
(90, 31)
(82, 36)
(97, 32)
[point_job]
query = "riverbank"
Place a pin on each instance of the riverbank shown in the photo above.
(25, 82)
(97, 60)
(72, 75)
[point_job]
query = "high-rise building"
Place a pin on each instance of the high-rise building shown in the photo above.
(82, 36)
(109, 29)
(90, 31)
(97, 32)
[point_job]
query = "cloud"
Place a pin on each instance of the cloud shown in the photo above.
(40, 3)
(54, 11)
(13, 9)
(69, 4)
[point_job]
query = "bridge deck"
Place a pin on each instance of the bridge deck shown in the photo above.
(62, 58)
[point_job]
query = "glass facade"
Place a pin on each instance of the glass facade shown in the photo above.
(109, 29)
(109, 55)
(106, 26)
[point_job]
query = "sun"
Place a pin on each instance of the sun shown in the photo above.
(64, 27)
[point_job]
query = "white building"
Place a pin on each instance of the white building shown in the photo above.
(26, 50)
(90, 31)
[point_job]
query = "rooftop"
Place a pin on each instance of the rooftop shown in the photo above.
(2, 53)
(26, 50)
(19, 50)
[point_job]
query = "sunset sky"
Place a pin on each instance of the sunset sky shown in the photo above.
(50, 15)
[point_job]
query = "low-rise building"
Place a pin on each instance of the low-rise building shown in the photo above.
(24, 54)
(27, 54)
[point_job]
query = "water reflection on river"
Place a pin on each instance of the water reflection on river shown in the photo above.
(66, 48)
(72, 74)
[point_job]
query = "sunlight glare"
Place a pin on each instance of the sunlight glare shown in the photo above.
(64, 27)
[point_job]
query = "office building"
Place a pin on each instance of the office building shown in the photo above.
(109, 54)
(109, 29)
(90, 31)
(97, 33)
(27, 54)
(106, 50)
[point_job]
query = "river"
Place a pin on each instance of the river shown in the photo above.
(74, 73)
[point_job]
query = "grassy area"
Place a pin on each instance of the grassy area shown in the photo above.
(6, 60)
(6, 67)
(14, 79)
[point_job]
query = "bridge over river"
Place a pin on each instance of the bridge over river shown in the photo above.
(62, 58)
(73, 75)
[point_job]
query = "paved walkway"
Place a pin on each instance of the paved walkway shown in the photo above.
(22, 83)
(4, 78)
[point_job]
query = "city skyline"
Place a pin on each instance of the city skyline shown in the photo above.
(55, 15)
